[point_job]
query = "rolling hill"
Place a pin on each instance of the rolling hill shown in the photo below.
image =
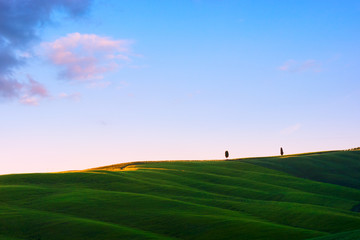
(306, 196)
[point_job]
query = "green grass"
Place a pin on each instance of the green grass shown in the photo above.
(307, 196)
(352, 235)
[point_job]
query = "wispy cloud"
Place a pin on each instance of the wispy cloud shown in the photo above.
(36, 88)
(86, 56)
(291, 129)
(29, 100)
(19, 22)
(31, 92)
(71, 96)
(300, 66)
(122, 84)
(99, 84)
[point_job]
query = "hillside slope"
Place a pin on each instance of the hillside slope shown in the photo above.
(294, 197)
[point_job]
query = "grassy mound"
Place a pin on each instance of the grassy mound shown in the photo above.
(294, 197)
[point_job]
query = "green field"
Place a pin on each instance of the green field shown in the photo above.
(306, 196)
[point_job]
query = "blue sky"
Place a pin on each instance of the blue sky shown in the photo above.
(90, 83)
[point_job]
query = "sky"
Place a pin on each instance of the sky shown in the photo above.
(88, 83)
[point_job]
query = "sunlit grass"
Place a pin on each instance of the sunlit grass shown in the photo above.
(298, 197)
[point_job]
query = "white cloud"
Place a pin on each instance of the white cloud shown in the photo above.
(293, 66)
(71, 96)
(291, 129)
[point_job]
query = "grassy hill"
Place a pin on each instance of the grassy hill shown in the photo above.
(306, 196)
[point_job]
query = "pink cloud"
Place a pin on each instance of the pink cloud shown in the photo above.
(298, 66)
(36, 88)
(86, 56)
(27, 92)
(32, 92)
(29, 100)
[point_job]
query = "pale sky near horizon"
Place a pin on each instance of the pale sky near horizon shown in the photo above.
(90, 83)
